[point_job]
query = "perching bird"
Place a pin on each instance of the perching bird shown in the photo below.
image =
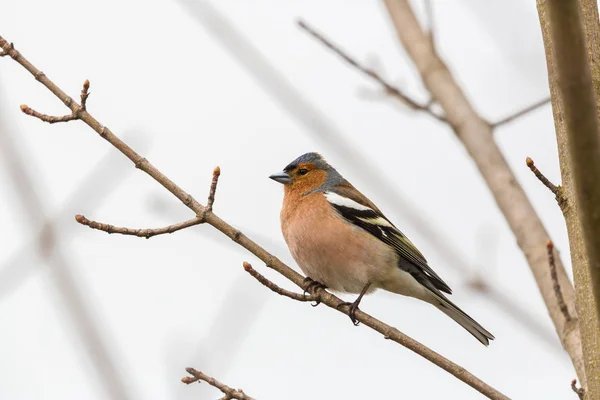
(341, 240)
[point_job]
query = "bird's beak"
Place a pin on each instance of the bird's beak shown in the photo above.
(281, 177)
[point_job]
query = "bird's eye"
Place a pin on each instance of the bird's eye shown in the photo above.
(303, 171)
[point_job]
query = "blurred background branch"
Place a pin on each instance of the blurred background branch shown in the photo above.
(108, 174)
(91, 335)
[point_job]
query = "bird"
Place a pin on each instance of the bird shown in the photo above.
(343, 242)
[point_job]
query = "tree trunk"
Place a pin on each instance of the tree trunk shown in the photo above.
(588, 319)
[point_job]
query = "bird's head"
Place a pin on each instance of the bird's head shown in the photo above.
(307, 173)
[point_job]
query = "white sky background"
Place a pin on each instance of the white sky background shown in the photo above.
(159, 76)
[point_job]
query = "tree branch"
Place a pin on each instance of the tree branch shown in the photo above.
(589, 323)
(65, 118)
(579, 391)
(556, 285)
(553, 188)
(213, 189)
(581, 118)
(51, 119)
(556, 190)
(522, 112)
(275, 288)
(148, 233)
(389, 88)
(92, 341)
(145, 233)
(271, 261)
(477, 136)
(229, 393)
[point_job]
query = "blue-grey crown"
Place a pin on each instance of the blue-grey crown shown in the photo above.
(312, 158)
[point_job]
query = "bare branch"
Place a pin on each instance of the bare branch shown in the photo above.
(211, 193)
(553, 188)
(64, 118)
(275, 288)
(522, 112)
(589, 326)
(92, 340)
(145, 233)
(579, 391)
(230, 393)
(51, 119)
(148, 233)
(84, 94)
(271, 261)
(575, 84)
(556, 190)
(559, 297)
(389, 88)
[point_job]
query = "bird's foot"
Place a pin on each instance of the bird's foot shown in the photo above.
(353, 307)
(311, 287)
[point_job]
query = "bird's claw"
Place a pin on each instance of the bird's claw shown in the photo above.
(311, 286)
(353, 307)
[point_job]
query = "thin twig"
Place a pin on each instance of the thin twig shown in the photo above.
(559, 297)
(230, 393)
(389, 88)
(211, 193)
(275, 288)
(271, 261)
(145, 233)
(553, 188)
(521, 112)
(93, 341)
(64, 118)
(84, 94)
(580, 391)
(556, 190)
(51, 119)
(148, 233)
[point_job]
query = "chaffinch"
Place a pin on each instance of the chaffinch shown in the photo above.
(343, 242)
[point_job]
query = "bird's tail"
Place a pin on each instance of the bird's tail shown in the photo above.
(458, 315)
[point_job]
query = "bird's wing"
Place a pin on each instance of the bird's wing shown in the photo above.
(360, 211)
